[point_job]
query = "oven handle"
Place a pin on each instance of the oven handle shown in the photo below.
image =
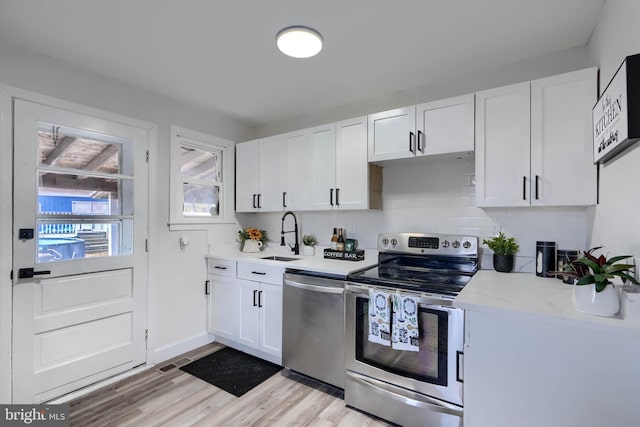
(314, 288)
(363, 291)
(420, 401)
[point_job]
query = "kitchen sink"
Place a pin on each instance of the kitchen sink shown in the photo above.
(279, 258)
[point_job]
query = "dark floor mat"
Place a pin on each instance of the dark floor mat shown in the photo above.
(231, 370)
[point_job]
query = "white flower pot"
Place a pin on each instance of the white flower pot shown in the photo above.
(308, 250)
(587, 300)
(252, 246)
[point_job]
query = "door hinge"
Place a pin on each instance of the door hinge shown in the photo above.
(146, 335)
(146, 245)
(11, 275)
(147, 156)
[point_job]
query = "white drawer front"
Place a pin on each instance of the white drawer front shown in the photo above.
(259, 272)
(221, 267)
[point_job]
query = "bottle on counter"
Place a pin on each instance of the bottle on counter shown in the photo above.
(334, 239)
(340, 241)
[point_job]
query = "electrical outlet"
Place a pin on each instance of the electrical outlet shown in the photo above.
(352, 228)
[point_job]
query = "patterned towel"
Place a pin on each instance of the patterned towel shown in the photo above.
(379, 317)
(405, 323)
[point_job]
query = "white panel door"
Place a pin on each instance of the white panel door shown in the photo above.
(247, 176)
(299, 174)
(445, 126)
(273, 173)
(270, 303)
(503, 146)
(79, 274)
(323, 146)
(392, 134)
(352, 171)
(221, 306)
(562, 169)
(247, 313)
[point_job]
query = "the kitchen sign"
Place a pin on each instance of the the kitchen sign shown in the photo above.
(616, 115)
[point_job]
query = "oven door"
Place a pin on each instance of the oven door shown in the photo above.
(435, 370)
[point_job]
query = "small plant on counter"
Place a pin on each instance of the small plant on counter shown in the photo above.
(598, 271)
(503, 248)
(502, 245)
(309, 240)
(252, 234)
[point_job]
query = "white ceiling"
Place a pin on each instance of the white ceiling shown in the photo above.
(221, 54)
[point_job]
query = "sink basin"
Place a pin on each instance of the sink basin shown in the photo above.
(279, 258)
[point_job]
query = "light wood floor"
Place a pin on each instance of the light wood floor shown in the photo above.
(175, 398)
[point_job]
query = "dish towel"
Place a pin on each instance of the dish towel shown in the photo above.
(379, 317)
(406, 334)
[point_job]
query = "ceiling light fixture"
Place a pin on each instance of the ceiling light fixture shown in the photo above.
(299, 42)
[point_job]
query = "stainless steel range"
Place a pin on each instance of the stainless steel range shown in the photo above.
(403, 337)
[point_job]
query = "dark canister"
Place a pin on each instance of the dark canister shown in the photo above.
(564, 257)
(545, 258)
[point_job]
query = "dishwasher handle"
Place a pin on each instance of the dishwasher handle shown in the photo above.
(314, 288)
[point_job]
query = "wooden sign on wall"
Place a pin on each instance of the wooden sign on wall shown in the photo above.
(616, 115)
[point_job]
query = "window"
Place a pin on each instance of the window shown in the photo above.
(201, 178)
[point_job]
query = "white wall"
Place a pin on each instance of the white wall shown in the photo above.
(177, 305)
(439, 196)
(617, 217)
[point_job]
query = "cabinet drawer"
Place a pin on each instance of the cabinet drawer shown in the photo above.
(258, 272)
(221, 267)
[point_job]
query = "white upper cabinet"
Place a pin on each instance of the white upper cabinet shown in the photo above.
(445, 126)
(354, 180)
(534, 144)
(247, 176)
(502, 146)
(392, 134)
(299, 161)
(273, 173)
(323, 167)
(562, 169)
(433, 128)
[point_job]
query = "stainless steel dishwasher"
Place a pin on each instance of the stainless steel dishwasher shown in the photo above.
(313, 325)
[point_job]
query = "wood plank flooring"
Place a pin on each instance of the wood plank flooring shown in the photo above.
(175, 398)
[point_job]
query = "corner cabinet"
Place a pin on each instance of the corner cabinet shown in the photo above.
(220, 290)
(534, 143)
(433, 128)
(258, 303)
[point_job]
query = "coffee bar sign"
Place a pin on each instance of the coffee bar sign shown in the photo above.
(616, 115)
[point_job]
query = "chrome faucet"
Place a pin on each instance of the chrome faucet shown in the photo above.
(296, 247)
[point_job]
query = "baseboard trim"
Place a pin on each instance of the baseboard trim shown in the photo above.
(177, 348)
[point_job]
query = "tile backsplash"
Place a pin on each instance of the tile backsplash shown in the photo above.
(438, 196)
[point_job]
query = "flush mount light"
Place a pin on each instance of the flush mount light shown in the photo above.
(299, 42)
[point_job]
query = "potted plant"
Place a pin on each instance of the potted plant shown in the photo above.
(591, 292)
(309, 242)
(503, 248)
(252, 239)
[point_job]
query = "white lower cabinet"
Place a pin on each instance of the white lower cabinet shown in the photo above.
(258, 310)
(221, 277)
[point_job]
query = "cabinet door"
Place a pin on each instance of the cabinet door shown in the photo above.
(351, 164)
(220, 308)
(502, 146)
(247, 313)
(270, 300)
(445, 126)
(273, 173)
(247, 176)
(299, 175)
(562, 169)
(323, 151)
(392, 134)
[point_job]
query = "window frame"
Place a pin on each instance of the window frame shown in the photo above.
(183, 137)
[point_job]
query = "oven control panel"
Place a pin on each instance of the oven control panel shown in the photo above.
(423, 243)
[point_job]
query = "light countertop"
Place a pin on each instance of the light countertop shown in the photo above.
(525, 294)
(316, 263)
